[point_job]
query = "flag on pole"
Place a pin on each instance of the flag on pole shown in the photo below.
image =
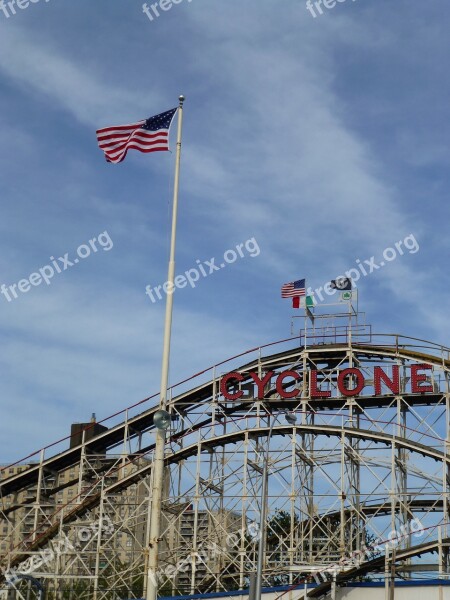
(341, 283)
(294, 290)
(307, 302)
(348, 296)
(148, 135)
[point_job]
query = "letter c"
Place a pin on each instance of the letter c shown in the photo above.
(283, 393)
(223, 386)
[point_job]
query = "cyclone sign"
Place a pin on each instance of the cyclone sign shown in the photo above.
(350, 382)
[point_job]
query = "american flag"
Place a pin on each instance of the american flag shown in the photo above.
(293, 289)
(150, 135)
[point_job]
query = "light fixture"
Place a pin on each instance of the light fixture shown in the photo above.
(162, 420)
(290, 417)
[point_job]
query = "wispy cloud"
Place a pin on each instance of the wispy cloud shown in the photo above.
(311, 137)
(39, 67)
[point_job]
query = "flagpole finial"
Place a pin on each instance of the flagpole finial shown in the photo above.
(181, 99)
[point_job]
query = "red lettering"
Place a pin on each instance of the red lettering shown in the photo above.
(381, 377)
(417, 378)
(261, 383)
(223, 386)
(360, 382)
(314, 390)
(281, 377)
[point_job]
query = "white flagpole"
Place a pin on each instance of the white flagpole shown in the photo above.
(158, 458)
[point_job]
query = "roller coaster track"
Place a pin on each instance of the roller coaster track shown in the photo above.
(377, 564)
(203, 393)
(203, 416)
(231, 438)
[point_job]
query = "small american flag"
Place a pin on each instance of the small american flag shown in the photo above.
(150, 135)
(293, 289)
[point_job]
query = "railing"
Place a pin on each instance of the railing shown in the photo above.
(339, 336)
(335, 334)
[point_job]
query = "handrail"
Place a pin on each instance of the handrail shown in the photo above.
(400, 342)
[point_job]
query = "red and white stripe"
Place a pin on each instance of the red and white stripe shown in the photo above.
(288, 291)
(116, 141)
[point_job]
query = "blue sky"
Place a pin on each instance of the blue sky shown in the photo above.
(326, 139)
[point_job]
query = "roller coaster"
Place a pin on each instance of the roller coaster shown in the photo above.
(358, 486)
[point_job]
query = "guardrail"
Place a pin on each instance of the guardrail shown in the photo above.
(396, 342)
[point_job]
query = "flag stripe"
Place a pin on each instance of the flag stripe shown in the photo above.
(104, 139)
(117, 154)
(140, 133)
(138, 139)
(116, 133)
(292, 293)
(135, 137)
(120, 157)
(120, 128)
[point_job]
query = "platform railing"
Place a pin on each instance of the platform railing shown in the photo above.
(342, 336)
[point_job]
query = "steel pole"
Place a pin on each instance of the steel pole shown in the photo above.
(158, 457)
(263, 517)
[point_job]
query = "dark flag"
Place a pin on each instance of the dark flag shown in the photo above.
(341, 284)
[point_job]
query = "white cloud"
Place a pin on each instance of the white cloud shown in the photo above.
(80, 353)
(40, 67)
(270, 150)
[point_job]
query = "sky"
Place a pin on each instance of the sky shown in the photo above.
(313, 140)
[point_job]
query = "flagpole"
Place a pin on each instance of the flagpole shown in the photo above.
(158, 457)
